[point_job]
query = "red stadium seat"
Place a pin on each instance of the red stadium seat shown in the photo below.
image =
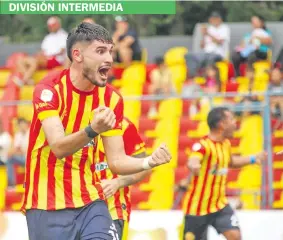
(235, 142)
(138, 196)
(277, 141)
(182, 158)
(12, 60)
(231, 71)
(12, 197)
(146, 124)
(186, 142)
(232, 87)
(145, 90)
(148, 141)
(117, 72)
(277, 175)
(243, 67)
(186, 124)
(275, 123)
(186, 105)
(277, 158)
(233, 175)
(181, 173)
(145, 105)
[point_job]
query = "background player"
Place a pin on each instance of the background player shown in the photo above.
(116, 188)
(63, 200)
(205, 202)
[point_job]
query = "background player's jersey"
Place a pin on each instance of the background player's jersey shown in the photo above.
(119, 205)
(206, 192)
(53, 183)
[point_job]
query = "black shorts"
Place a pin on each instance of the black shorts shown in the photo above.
(91, 222)
(119, 224)
(196, 227)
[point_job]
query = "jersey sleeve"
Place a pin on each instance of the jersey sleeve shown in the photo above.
(45, 101)
(198, 150)
(133, 142)
(119, 112)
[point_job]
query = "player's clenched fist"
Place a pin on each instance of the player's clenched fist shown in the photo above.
(160, 156)
(104, 120)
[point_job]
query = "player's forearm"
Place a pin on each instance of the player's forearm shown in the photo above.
(125, 181)
(238, 161)
(70, 144)
(126, 165)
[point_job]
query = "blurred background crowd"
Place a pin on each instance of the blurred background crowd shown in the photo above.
(171, 69)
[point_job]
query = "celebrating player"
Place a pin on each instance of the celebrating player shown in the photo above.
(205, 202)
(116, 188)
(63, 199)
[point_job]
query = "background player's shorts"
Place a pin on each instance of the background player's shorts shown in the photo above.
(91, 222)
(196, 227)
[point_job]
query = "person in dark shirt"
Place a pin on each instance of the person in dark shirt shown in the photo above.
(127, 47)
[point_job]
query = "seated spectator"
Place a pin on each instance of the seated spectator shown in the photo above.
(254, 46)
(19, 150)
(161, 83)
(276, 86)
(127, 47)
(215, 45)
(52, 54)
(213, 83)
(5, 144)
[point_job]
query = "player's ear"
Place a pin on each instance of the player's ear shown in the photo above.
(77, 54)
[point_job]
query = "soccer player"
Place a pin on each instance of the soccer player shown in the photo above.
(205, 202)
(116, 188)
(63, 199)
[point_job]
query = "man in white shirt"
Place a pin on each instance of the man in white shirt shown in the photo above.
(52, 54)
(19, 150)
(215, 45)
(5, 144)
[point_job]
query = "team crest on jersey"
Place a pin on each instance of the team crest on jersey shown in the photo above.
(46, 95)
(196, 147)
(92, 143)
(101, 166)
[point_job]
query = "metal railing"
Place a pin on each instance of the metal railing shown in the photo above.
(263, 106)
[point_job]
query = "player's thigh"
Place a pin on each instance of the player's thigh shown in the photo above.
(96, 222)
(195, 228)
(227, 223)
(119, 224)
(55, 225)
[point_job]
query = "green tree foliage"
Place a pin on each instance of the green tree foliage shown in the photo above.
(27, 28)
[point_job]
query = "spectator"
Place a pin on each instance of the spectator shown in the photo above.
(5, 144)
(215, 45)
(213, 83)
(19, 150)
(52, 54)
(161, 83)
(254, 46)
(276, 86)
(127, 47)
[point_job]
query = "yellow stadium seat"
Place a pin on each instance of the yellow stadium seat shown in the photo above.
(261, 66)
(223, 72)
(199, 80)
(179, 75)
(39, 75)
(175, 56)
(279, 203)
(170, 107)
(25, 111)
(26, 92)
(3, 185)
(4, 74)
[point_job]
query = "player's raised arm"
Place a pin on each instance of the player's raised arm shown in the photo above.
(239, 161)
(122, 164)
(195, 159)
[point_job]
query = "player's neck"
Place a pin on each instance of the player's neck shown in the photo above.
(79, 81)
(216, 136)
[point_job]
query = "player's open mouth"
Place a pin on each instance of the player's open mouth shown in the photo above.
(103, 71)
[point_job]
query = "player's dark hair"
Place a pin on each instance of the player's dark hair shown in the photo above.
(21, 120)
(87, 32)
(215, 116)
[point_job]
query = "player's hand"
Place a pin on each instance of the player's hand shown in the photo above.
(104, 120)
(160, 156)
(261, 157)
(110, 187)
(204, 29)
(194, 165)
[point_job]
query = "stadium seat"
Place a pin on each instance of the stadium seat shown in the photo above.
(179, 75)
(13, 198)
(277, 161)
(149, 68)
(232, 178)
(278, 178)
(4, 75)
(181, 173)
(138, 196)
(175, 56)
(182, 158)
(39, 75)
(185, 142)
(223, 72)
(25, 111)
(26, 92)
(278, 198)
(146, 124)
(186, 124)
(11, 62)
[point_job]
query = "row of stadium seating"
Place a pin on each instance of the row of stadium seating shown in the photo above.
(178, 130)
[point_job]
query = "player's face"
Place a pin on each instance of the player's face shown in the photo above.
(229, 125)
(97, 61)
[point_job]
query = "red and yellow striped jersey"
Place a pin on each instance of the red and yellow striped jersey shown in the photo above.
(206, 192)
(119, 205)
(51, 183)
